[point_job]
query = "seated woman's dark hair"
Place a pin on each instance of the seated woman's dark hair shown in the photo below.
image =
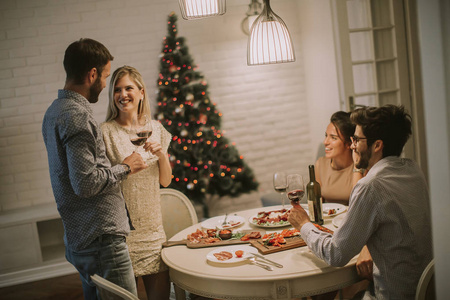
(343, 124)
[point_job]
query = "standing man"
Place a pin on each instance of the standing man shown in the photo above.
(389, 209)
(85, 185)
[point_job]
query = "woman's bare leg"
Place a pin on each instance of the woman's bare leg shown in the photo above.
(157, 286)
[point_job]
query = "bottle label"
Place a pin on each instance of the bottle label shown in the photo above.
(311, 210)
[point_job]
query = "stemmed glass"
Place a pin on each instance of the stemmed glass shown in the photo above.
(280, 184)
(295, 187)
(141, 130)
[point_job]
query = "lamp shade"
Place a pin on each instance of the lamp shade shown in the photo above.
(269, 41)
(196, 9)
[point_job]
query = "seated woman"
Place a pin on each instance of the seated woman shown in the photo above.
(337, 176)
(335, 171)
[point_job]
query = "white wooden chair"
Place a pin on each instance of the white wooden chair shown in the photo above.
(177, 210)
(425, 288)
(178, 213)
(111, 291)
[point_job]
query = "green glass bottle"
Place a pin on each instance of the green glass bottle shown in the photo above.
(314, 196)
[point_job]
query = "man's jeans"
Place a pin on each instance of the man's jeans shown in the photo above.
(107, 257)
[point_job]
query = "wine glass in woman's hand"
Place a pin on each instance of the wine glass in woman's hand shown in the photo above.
(295, 187)
(280, 184)
(141, 130)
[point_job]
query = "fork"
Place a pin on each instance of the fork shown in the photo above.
(225, 220)
(253, 261)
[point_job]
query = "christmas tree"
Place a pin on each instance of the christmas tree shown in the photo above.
(204, 162)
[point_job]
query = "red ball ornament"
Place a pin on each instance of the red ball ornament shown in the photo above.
(172, 68)
(203, 118)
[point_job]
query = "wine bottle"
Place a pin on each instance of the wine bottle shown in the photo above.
(314, 196)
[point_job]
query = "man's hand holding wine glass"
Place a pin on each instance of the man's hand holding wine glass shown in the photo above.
(298, 216)
(296, 190)
(135, 162)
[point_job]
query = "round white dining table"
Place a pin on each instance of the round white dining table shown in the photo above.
(303, 274)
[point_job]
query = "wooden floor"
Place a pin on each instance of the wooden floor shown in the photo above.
(60, 288)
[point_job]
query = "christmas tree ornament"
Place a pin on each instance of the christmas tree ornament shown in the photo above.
(203, 118)
(190, 97)
(184, 133)
(172, 68)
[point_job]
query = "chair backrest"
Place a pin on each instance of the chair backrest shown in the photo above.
(111, 291)
(425, 287)
(177, 210)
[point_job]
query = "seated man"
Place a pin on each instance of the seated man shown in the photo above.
(389, 209)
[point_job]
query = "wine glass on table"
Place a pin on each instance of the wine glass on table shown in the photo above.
(280, 184)
(141, 130)
(295, 187)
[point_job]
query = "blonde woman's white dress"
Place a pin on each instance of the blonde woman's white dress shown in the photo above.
(141, 192)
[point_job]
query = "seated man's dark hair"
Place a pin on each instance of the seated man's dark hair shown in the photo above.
(389, 123)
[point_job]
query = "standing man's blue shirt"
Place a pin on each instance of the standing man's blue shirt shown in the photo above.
(85, 185)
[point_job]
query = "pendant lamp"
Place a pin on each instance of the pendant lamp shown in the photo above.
(254, 9)
(196, 9)
(269, 41)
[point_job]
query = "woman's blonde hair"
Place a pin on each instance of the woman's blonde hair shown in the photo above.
(112, 111)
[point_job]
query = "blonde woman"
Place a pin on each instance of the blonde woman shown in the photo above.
(127, 93)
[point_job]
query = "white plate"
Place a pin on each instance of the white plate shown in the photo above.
(338, 220)
(266, 225)
(338, 207)
(216, 222)
(232, 249)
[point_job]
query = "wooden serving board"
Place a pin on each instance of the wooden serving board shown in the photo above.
(203, 244)
(291, 242)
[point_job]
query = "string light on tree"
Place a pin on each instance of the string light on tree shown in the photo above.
(203, 161)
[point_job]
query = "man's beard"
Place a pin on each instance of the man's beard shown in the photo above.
(95, 91)
(364, 158)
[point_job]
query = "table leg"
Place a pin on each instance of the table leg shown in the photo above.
(180, 294)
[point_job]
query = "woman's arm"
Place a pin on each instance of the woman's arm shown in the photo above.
(165, 170)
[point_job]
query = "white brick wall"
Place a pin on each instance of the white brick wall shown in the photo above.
(264, 108)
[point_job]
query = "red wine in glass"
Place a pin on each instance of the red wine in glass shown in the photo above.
(138, 141)
(144, 134)
(140, 131)
(296, 195)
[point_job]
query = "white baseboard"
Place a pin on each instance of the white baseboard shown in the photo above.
(35, 274)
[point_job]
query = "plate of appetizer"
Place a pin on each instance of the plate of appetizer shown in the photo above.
(333, 209)
(277, 217)
(216, 222)
(230, 254)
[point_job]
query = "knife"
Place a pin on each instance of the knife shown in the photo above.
(268, 260)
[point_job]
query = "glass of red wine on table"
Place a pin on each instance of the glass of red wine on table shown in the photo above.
(141, 130)
(295, 187)
(280, 184)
